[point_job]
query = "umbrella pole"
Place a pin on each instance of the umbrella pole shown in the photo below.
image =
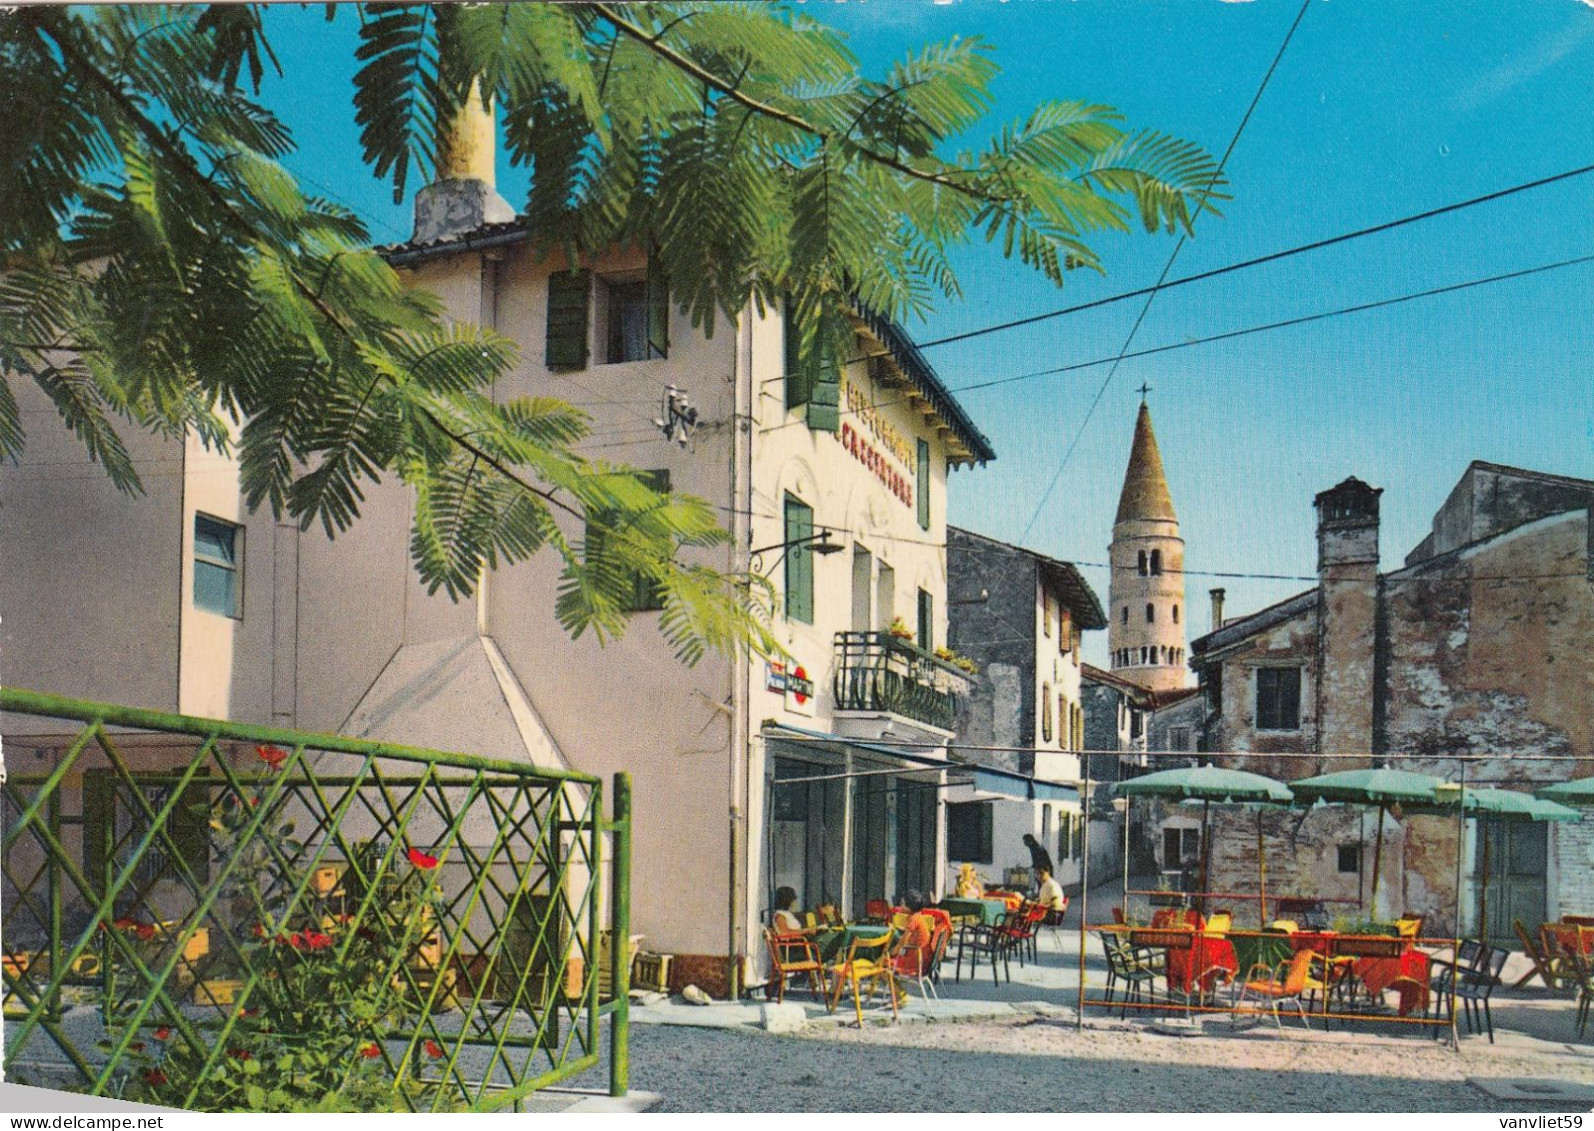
(1124, 897)
(1261, 870)
(1206, 854)
(1378, 857)
(1483, 891)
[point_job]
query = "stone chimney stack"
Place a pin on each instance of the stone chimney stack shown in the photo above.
(1347, 568)
(1217, 608)
(464, 196)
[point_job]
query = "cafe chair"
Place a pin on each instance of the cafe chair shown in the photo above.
(1285, 986)
(794, 956)
(1474, 988)
(1131, 967)
(996, 943)
(1581, 971)
(1533, 950)
(921, 964)
(868, 962)
(877, 911)
(1442, 979)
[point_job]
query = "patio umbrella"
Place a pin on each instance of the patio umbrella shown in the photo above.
(1379, 787)
(1501, 805)
(1578, 790)
(1208, 784)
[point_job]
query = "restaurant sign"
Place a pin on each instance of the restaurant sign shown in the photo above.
(792, 680)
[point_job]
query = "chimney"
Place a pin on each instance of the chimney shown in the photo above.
(1217, 608)
(463, 198)
(1347, 569)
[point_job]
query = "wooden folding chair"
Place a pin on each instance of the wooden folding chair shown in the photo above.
(1543, 964)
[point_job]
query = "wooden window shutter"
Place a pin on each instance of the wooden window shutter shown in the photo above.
(567, 320)
(658, 300)
(799, 561)
(799, 380)
(824, 395)
(924, 486)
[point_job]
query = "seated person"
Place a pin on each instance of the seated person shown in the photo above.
(1050, 895)
(785, 920)
(969, 885)
(913, 946)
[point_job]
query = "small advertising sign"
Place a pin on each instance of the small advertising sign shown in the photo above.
(799, 690)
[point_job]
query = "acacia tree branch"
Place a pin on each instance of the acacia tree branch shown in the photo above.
(709, 78)
(183, 160)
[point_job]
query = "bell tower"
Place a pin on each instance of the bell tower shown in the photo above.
(1145, 630)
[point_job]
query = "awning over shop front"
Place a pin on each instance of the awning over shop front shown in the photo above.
(983, 779)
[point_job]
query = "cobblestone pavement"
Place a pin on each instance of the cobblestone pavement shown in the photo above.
(1033, 1064)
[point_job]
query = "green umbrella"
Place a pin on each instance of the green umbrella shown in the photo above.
(1379, 787)
(1576, 790)
(1208, 784)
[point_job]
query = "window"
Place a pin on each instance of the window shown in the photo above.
(643, 593)
(1180, 846)
(885, 598)
(1125, 616)
(1065, 630)
(1046, 712)
(1178, 738)
(926, 621)
(968, 832)
(1142, 563)
(1278, 698)
(1151, 614)
(217, 583)
(799, 561)
(1350, 859)
(799, 379)
(1046, 822)
(1176, 614)
(924, 485)
(1046, 614)
(1156, 561)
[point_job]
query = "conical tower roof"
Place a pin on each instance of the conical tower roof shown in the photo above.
(1145, 494)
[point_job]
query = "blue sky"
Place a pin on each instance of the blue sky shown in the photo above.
(1376, 111)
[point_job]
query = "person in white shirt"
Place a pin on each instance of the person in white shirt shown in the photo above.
(785, 920)
(1051, 892)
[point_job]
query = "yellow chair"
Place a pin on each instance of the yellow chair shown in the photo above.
(1220, 924)
(868, 960)
(1288, 926)
(1285, 986)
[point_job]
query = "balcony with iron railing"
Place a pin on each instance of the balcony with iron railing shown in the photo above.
(876, 671)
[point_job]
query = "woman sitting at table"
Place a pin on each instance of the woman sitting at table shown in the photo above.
(969, 885)
(784, 920)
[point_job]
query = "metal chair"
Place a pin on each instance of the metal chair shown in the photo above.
(922, 964)
(1126, 964)
(794, 954)
(994, 943)
(1441, 980)
(1284, 986)
(1474, 987)
(868, 960)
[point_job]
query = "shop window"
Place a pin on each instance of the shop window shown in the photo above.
(218, 581)
(1278, 698)
(968, 832)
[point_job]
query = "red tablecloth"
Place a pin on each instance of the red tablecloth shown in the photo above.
(1571, 938)
(1207, 956)
(1408, 974)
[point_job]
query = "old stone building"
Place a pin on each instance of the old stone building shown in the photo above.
(1476, 648)
(1019, 615)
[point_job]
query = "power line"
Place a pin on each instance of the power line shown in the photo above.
(1145, 309)
(1271, 257)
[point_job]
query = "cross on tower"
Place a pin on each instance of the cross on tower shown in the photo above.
(1143, 390)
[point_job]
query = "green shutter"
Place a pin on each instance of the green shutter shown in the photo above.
(924, 486)
(824, 396)
(658, 298)
(799, 561)
(567, 320)
(926, 621)
(799, 379)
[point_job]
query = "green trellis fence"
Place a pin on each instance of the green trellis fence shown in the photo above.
(219, 916)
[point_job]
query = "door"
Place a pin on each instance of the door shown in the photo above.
(862, 589)
(1515, 884)
(916, 828)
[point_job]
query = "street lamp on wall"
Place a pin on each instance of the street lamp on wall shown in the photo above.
(817, 544)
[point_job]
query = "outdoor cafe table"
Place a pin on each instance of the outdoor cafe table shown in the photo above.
(1202, 961)
(1406, 972)
(989, 912)
(835, 942)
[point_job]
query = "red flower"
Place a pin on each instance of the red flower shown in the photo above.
(370, 1051)
(433, 1049)
(272, 756)
(422, 860)
(144, 931)
(260, 931)
(240, 1054)
(315, 940)
(162, 1033)
(125, 923)
(154, 1077)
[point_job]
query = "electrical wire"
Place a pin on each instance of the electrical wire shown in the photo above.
(1145, 309)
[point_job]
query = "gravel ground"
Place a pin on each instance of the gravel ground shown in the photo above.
(1045, 1065)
